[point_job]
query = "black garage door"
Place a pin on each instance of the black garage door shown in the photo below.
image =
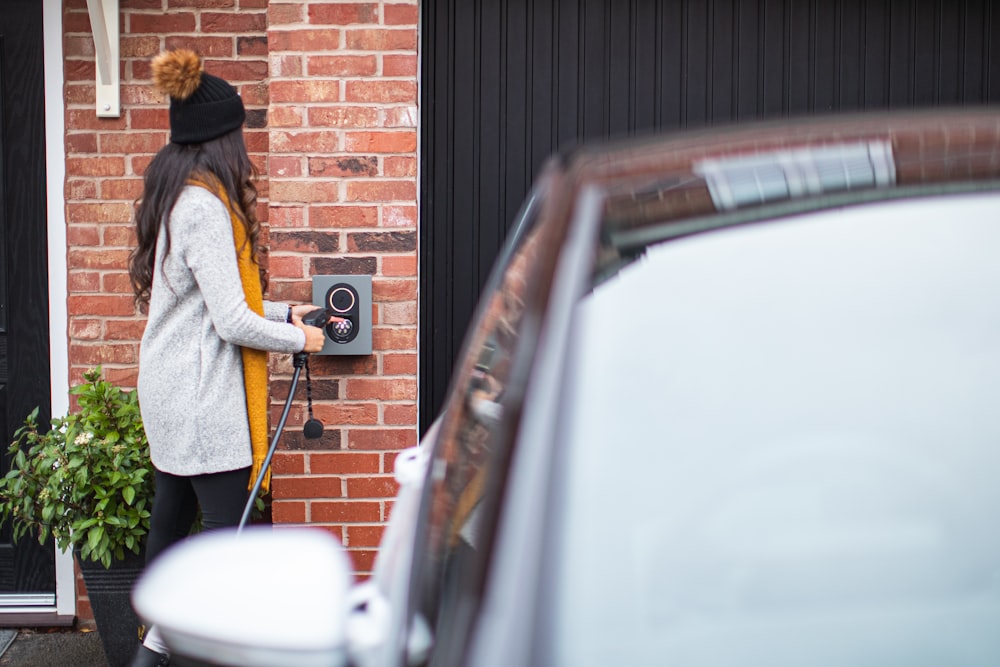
(507, 82)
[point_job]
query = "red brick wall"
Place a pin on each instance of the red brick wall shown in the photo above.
(342, 122)
(331, 94)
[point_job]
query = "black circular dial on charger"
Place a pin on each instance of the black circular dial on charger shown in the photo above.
(343, 301)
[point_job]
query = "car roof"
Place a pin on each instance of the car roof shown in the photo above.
(667, 185)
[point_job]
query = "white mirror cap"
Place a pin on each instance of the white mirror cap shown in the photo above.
(411, 466)
(258, 599)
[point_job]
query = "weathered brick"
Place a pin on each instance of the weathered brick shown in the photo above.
(83, 235)
(304, 241)
(288, 511)
(396, 338)
(343, 116)
(364, 536)
(85, 329)
(282, 14)
(400, 415)
(378, 39)
(102, 212)
(399, 313)
(81, 142)
(207, 47)
(116, 283)
(394, 290)
(124, 329)
(132, 142)
(343, 14)
(400, 116)
(79, 281)
(124, 188)
(398, 242)
(347, 166)
(399, 166)
(380, 91)
(304, 191)
(344, 414)
(255, 45)
(285, 116)
(344, 265)
(304, 41)
(344, 463)
(399, 364)
(400, 141)
(372, 487)
(400, 14)
(161, 22)
(393, 389)
(313, 486)
(149, 119)
(343, 216)
(95, 166)
(288, 463)
(352, 511)
(235, 71)
(399, 65)
(317, 141)
(305, 91)
(331, 65)
(103, 353)
(381, 191)
(381, 439)
(236, 22)
(363, 560)
(77, 188)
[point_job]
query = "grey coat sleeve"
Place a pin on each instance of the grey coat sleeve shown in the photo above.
(208, 249)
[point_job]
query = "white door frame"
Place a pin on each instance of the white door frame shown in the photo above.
(55, 161)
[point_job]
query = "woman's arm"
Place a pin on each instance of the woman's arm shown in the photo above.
(202, 231)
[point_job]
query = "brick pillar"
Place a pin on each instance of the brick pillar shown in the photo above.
(343, 185)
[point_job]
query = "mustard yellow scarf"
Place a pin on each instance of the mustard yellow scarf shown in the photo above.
(254, 361)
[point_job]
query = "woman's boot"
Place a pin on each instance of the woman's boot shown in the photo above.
(147, 657)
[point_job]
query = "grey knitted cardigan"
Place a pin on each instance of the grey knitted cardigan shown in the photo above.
(191, 390)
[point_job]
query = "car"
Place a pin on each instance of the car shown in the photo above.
(730, 398)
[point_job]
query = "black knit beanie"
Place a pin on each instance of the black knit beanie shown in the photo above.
(202, 106)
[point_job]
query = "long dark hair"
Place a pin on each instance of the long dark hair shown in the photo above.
(224, 160)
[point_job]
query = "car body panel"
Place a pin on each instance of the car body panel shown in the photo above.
(469, 572)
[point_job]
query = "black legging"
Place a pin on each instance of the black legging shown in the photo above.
(221, 496)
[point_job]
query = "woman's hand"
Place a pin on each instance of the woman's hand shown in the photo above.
(301, 310)
(315, 337)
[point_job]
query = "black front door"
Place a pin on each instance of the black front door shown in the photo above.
(27, 569)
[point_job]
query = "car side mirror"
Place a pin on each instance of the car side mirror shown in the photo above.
(260, 598)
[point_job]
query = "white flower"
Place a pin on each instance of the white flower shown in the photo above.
(84, 438)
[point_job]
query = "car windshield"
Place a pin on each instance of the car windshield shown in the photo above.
(781, 446)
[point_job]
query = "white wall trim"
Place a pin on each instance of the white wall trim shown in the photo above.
(55, 161)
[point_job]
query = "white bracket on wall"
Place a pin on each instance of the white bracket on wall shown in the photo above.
(104, 19)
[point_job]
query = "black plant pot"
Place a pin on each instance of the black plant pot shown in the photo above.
(110, 592)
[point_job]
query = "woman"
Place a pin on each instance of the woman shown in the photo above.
(203, 359)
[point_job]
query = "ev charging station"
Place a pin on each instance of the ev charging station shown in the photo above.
(348, 297)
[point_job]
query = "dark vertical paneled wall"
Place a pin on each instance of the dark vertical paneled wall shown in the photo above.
(507, 82)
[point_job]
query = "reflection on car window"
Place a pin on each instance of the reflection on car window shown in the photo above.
(473, 433)
(813, 401)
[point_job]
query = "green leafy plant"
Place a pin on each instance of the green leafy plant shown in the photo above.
(87, 481)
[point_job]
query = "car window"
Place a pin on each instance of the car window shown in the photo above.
(472, 445)
(795, 438)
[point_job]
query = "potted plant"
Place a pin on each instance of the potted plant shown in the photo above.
(87, 482)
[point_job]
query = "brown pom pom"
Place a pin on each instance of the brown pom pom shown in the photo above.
(177, 73)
